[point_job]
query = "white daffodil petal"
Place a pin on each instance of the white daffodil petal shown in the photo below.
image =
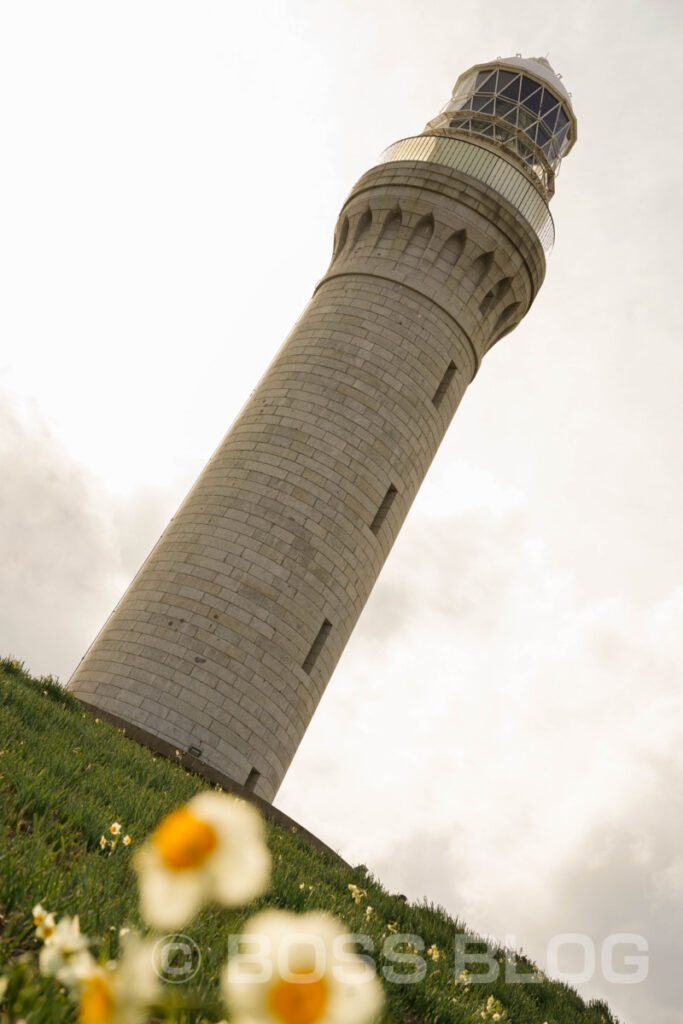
(240, 877)
(75, 970)
(359, 1000)
(169, 899)
(137, 978)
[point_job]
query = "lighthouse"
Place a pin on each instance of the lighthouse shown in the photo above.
(225, 641)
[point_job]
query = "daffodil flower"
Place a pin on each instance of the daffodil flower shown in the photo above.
(213, 848)
(308, 975)
(356, 893)
(44, 922)
(122, 992)
(65, 955)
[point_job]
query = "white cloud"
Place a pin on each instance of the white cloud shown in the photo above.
(68, 547)
(524, 735)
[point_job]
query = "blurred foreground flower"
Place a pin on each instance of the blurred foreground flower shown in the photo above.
(65, 955)
(122, 992)
(303, 973)
(213, 848)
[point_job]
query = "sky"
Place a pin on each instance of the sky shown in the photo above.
(502, 735)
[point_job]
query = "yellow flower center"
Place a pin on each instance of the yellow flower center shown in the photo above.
(97, 1002)
(183, 840)
(301, 1001)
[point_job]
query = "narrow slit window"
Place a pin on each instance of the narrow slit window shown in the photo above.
(317, 646)
(444, 385)
(383, 510)
(252, 778)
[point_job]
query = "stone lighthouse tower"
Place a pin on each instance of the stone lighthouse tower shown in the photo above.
(226, 638)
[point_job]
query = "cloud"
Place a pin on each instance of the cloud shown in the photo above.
(522, 741)
(68, 547)
(627, 877)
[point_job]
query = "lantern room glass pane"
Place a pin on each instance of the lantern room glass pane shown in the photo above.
(486, 78)
(511, 91)
(542, 136)
(533, 102)
(529, 86)
(525, 118)
(550, 119)
(561, 134)
(504, 78)
(548, 102)
(503, 107)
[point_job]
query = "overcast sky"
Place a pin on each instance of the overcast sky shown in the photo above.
(503, 734)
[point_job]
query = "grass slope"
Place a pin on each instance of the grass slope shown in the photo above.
(64, 777)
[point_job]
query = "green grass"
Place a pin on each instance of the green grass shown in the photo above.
(64, 777)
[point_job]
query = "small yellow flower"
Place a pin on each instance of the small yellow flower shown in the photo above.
(126, 840)
(115, 828)
(213, 848)
(391, 927)
(356, 893)
(44, 923)
(368, 912)
(309, 976)
(433, 953)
